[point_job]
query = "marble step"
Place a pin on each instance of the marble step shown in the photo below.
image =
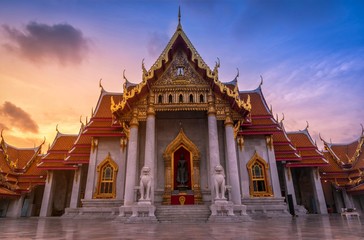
(186, 213)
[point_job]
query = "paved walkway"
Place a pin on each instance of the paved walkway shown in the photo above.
(307, 227)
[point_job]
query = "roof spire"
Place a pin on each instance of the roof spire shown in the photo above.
(179, 18)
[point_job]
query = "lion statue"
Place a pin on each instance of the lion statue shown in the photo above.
(219, 182)
(145, 183)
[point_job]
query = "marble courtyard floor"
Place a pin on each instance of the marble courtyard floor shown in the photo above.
(306, 227)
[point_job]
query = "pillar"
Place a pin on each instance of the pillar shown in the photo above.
(289, 184)
(91, 178)
(76, 187)
(131, 160)
(31, 206)
(149, 160)
(213, 139)
(232, 160)
(15, 207)
(348, 200)
(46, 208)
(273, 168)
(120, 178)
(339, 205)
(243, 159)
(318, 192)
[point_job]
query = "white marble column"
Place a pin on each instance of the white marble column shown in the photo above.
(318, 192)
(233, 172)
(91, 174)
(46, 208)
(120, 179)
(213, 140)
(131, 161)
(338, 199)
(289, 184)
(244, 159)
(76, 187)
(15, 207)
(348, 200)
(273, 169)
(149, 160)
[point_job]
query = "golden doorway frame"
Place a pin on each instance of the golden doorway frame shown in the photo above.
(181, 141)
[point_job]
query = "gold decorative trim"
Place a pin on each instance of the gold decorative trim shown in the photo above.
(256, 159)
(196, 58)
(181, 140)
(240, 141)
(269, 141)
(100, 168)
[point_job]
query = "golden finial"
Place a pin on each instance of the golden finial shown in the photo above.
(237, 74)
(86, 120)
(57, 128)
(92, 112)
(282, 118)
(307, 126)
(179, 18)
(362, 129)
(124, 75)
(125, 83)
(271, 109)
(2, 137)
(100, 85)
(277, 117)
(261, 81)
(143, 68)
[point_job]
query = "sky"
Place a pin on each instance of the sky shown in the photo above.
(54, 52)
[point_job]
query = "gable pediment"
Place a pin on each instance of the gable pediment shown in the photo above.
(180, 73)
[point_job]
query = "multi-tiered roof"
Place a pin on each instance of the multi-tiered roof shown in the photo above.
(346, 165)
(18, 171)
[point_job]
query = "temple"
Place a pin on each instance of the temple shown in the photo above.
(181, 144)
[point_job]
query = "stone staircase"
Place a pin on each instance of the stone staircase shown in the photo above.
(182, 213)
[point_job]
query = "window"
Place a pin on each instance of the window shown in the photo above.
(180, 71)
(107, 171)
(180, 99)
(160, 99)
(259, 184)
(191, 98)
(106, 184)
(258, 178)
(170, 99)
(201, 98)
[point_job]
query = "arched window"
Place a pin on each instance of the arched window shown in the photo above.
(258, 175)
(160, 99)
(201, 98)
(107, 171)
(180, 99)
(191, 98)
(170, 99)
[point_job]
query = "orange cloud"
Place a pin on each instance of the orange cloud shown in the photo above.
(18, 118)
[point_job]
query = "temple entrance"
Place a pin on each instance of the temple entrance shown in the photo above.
(182, 172)
(182, 169)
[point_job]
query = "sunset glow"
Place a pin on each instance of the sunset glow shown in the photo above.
(53, 54)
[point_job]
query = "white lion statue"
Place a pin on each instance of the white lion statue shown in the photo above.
(145, 183)
(219, 182)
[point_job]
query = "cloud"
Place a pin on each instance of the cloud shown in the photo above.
(18, 117)
(40, 42)
(156, 43)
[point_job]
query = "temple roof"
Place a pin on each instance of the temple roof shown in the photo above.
(54, 159)
(18, 171)
(180, 40)
(307, 149)
(346, 164)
